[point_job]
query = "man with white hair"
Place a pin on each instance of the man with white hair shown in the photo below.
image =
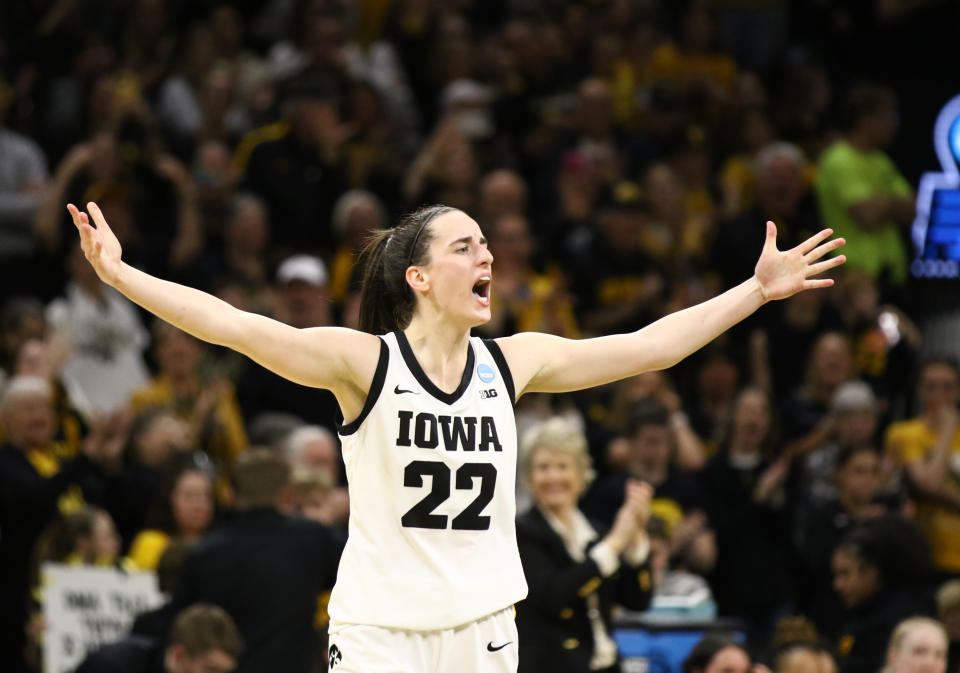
(783, 196)
(35, 484)
(312, 448)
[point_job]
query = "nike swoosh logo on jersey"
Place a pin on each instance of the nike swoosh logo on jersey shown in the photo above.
(491, 648)
(400, 391)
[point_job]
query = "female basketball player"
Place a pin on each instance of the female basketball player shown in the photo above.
(431, 571)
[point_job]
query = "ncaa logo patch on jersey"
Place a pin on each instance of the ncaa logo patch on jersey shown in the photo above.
(485, 372)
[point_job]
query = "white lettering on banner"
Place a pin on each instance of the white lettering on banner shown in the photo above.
(85, 607)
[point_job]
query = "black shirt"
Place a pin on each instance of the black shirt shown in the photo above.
(268, 571)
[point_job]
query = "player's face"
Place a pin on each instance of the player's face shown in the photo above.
(555, 480)
(459, 273)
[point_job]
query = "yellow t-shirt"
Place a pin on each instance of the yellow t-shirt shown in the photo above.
(910, 442)
(147, 548)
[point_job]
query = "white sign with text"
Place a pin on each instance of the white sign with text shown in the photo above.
(87, 606)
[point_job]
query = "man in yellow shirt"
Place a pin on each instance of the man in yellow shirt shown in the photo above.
(928, 447)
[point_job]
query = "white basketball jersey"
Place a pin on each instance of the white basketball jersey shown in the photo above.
(432, 539)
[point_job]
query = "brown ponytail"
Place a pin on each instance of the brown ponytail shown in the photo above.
(386, 299)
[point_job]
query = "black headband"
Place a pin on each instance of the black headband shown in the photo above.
(416, 238)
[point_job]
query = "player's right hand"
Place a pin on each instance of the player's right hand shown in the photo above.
(99, 244)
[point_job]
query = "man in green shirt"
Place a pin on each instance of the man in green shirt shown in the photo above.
(862, 195)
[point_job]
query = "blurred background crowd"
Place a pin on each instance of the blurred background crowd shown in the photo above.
(621, 156)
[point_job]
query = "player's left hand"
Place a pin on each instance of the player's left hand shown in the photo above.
(784, 273)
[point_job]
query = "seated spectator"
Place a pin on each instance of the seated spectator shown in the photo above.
(269, 571)
(356, 215)
(210, 407)
(309, 497)
(502, 192)
(830, 363)
(244, 255)
(886, 342)
(155, 623)
(752, 128)
(948, 612)
(312, 449)
(522, 299)
(36, 482)
(804, 658)
(576, 569)
(793, 328)
(691, 454)
(917, 644)
(303, 301)
(743, 484)
(881, 570)
(23, 181)
(297, 166)
(203, 638)
(856, 498)
(798, 648)
(445, 170)
(618, 285)
(105, 337)
(85, 537)
(677, 586)
(39, 359)
(374, 156)
(851, 422)
(927, 447)
(782, 195)
(674, 233)
(718, 378)
(198, 101)
(184, 509)
(155, 437)
(717, 654)
(650, 459)
(21, 319)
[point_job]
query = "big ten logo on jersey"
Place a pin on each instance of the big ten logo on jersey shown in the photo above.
(426, 431)
(936, 229)
(487, 394)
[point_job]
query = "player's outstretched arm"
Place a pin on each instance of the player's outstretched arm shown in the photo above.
(339, 359)
(544, 363)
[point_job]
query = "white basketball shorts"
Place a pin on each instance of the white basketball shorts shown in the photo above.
(488, 645)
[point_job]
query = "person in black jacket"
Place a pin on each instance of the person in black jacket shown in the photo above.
(882, 571)
(38, 480)
(269, 571)
(743, 486)
(576, 569)
(203, 640)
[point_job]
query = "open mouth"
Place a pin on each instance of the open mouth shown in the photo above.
(481, 290)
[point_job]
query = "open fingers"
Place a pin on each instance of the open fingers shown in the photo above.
(820, 267)
(822, 250)
(74, 214)
(815, 283)
(98, 217)
(814, 241)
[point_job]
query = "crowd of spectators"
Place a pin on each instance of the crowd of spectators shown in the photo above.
(621, 156)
